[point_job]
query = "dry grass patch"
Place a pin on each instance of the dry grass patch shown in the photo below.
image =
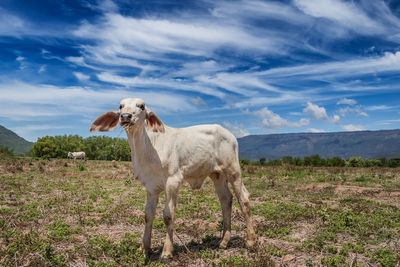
(68, 213)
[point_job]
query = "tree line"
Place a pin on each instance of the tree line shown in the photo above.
(95, 147)
(317, 161)
(107, 148)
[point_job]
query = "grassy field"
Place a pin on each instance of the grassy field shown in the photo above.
(62, 212)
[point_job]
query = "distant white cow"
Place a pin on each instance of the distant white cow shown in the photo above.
(77, 155)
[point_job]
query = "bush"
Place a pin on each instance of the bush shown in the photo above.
(355, 162)
(6, 152)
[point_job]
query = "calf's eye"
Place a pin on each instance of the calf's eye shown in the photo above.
(120, 106)
(141, 107)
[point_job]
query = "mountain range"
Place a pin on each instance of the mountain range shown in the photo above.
(13, 141)
(365, 144)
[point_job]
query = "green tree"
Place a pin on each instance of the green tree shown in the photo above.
(335, 162)
(121, 150)
(45, 147)
(393, 163)
(287, 159)
(298, 161)
(355, 162)
(314, 160)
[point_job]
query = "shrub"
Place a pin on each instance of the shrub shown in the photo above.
(6, 152)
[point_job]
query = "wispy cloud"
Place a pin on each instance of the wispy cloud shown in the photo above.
(352, 110)
(22, 62)
(237, 130)
(387, 62)
(146, 38)
(18, 100)
(42, 69)
(163, 82)
(10, 24)
(379, 107)
(345, 14)
(80, 76)
(346, 101)
(28, 129)
(198, 101)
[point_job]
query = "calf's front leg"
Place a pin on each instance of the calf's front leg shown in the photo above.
(151, 205)
(171, 195)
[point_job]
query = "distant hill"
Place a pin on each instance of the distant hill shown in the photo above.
(11, 140)
(366, 144)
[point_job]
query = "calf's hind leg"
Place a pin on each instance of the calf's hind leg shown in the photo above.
(225, 197)
(243, 198)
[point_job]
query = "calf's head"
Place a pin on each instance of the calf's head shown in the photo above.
(132, 116)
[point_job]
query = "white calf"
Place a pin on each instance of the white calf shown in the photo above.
(163, 157)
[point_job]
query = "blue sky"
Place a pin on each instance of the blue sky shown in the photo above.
(254, 67)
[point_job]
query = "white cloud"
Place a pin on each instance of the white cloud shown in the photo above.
(26, 130)
(379, 107)
(149, 37)
(369, 65)
(389, 122)
(319, 113)
(346, 14)
(352, 110)
(352, 127)
(22, 62)
(197, 68)
(20, 100)
(313, 130)
(284, 98)
(80, 76)
(231, 82)
(237, 130)
(10, 24)
(346, 101)
(315, 111)
(198, 101)
(272, 120)
(42, 69)
(149, 82)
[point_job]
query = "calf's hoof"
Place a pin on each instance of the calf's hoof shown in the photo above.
(166, 257)
(250, 243)
(223, 245)
(225, 240)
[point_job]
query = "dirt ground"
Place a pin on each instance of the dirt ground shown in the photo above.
(76, 213)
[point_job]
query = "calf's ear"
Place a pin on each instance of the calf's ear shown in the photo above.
(108, 121)
(154, 122)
